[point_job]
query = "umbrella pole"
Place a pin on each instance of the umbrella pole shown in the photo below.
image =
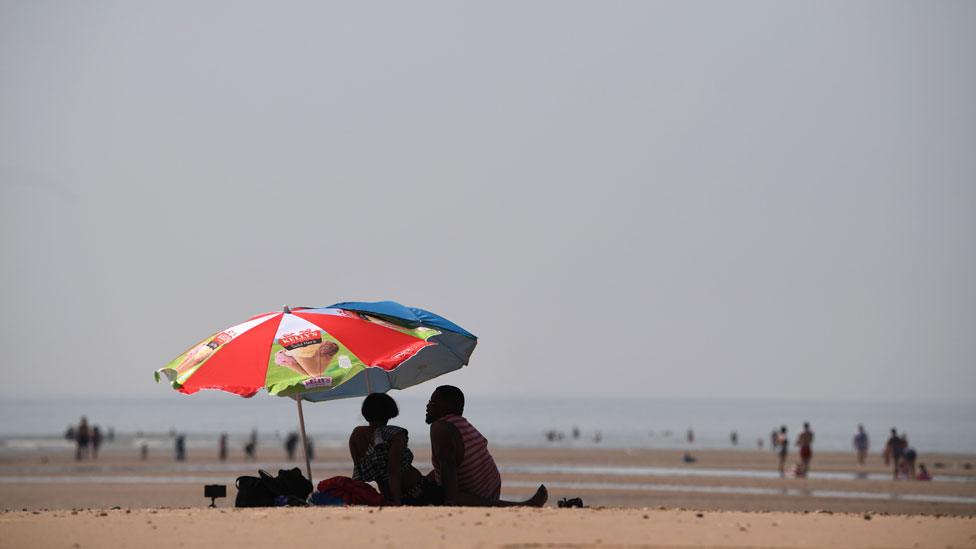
(301, 424)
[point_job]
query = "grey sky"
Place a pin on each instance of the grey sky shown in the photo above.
(679, 199)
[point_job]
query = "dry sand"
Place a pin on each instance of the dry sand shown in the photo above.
(457, 527)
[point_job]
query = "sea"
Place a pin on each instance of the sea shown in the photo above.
(32, 424)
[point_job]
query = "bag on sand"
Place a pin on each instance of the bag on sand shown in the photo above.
(290, 487)
(291, 483)
(253, 492)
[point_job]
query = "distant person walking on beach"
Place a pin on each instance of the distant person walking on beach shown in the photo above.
(251, 447)
(861, 444)
(805, 442)
(892, 452)
(908, 457)
(782, 443)
(291, 442)
(222, 447)
(96, 441)
(464, 471)
(82, 439)
(180, 447)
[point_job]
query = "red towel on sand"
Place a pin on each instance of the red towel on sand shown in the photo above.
(352, 492)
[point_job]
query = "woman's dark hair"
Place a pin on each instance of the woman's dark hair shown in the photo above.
(379, 407)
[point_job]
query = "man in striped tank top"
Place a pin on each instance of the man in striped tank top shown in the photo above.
(463, 467)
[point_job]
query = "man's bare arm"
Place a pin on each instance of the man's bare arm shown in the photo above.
(443, 437)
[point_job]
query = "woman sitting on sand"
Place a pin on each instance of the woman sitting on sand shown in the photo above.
(379, 453)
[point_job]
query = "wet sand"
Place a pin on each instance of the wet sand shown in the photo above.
(734, 480)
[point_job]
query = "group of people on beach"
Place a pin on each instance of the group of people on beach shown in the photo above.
(781, 445)
(223, 447)
(896, 453)
(555, 435)
(88, 439)
(902, 458)
(464, 471)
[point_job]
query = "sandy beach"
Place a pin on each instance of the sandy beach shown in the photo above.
(733, 480)
(653, 256)
(635, 498)
(468, 527)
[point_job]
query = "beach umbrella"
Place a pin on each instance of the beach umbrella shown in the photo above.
(345, 350)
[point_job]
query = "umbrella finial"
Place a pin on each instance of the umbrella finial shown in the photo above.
(285, 309)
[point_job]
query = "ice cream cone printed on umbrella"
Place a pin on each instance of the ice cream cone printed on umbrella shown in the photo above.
(314, 353)
(318, 350)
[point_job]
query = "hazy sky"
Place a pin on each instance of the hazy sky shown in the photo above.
(687, 199)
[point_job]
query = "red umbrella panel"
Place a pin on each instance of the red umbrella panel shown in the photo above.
(314, 353)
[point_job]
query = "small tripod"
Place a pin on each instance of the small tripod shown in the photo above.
(214, 491)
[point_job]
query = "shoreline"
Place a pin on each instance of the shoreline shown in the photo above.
(736, 480)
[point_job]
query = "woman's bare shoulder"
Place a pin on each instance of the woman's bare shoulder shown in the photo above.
(363, 431)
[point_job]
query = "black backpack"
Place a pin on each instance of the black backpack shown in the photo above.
(261, 491)
(291, 483)
(254, 491)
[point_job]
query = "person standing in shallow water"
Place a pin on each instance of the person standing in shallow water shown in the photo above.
(782, 443)
(861, 444)
(82, 439)
(222, 447)
(180, 447)
(892, 452)
(96, 441)
(805, 442)
(291, 442)
(251, 447)
(464, 471)
(908, 457)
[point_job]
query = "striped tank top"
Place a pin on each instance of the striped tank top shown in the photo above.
(477, 473)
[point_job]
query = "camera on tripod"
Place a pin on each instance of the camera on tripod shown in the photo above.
(214, 491)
